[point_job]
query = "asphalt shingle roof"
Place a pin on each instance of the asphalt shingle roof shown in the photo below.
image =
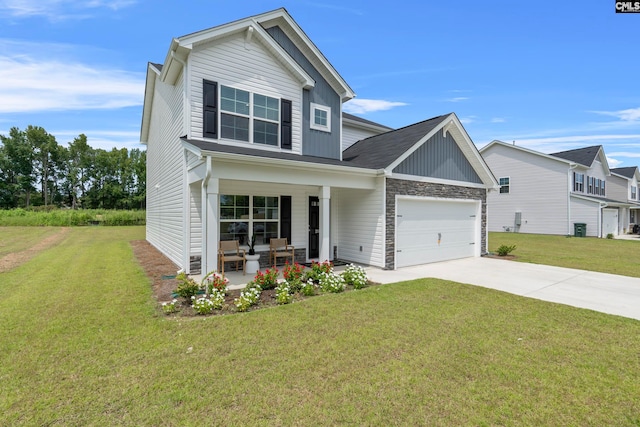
(584, 156)
(361, 120)
(378, 152)
(626, 172)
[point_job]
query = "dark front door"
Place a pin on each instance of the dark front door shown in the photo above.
(314, 227)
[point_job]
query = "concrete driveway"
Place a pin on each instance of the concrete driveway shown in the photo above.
(607, 293)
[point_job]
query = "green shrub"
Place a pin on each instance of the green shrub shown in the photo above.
(610, 236)
(187, 287)
(505, 250)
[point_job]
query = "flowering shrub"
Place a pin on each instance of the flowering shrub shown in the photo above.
(170, 307)
(283, 294)
(293, 276)
(215, 282)
(249, 297)
(268, 279)
(187, 286)
(355, 276)
(318, 269)
(202, 305)
(330, 282)
(308, 288)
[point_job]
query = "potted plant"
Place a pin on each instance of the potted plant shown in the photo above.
(252, 243)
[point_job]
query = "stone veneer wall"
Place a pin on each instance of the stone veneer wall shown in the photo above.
(397, 187)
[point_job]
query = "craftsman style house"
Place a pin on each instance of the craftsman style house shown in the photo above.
(246, 136)
(550, 193)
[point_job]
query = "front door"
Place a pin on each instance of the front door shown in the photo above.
(314, 227)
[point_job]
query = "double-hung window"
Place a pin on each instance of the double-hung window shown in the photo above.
(602, 188)
(243, 216)
(320, 117)
(578, 182)
(634, 192)
(504, 185)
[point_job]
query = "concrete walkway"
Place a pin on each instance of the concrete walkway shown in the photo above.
(607, 293)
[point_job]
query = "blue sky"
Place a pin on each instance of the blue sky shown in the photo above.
(548, 75)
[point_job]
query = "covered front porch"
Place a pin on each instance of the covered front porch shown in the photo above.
(234, 197)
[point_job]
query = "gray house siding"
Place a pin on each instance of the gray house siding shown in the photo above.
(411, 188)
(315, 143)
(440, 157)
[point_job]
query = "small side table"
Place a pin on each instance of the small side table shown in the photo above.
(253, 265)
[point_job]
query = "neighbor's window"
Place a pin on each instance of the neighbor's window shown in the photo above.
(504, 185)
(634, 193)
(578, 182)
(602, 188)
(320, 117)
(240, 214)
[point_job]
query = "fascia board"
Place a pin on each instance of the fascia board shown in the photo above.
(365, 126)
(149, 90)
(527, 150)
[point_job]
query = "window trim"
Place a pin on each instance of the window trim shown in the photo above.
(634, 192)
(578, 185)
(507, 185)
(312, 118)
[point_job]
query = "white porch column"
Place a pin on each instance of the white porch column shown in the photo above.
(325, 243)
(210, 190)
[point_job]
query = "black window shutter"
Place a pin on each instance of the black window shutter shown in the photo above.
(210, 109)
(285, 217)
(285, 124)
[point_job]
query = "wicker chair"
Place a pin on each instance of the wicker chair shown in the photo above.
(229, 251)
(279, 248)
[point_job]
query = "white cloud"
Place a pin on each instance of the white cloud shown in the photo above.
(31, 82)
(59, 10)
(613, 163)
(457, 99)
(634, 154)
(468, 119)
(498, 120)
(628, 115)
(363, 106)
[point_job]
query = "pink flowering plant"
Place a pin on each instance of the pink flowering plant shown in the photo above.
(268, 279)
(293, 275)
(214, 281)
(318, 270)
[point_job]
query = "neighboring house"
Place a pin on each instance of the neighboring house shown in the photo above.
(623, 185)
(549, 193)
(245, 136)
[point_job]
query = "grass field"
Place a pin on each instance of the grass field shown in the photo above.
(82, 343)
(16, 239)
(586, 253)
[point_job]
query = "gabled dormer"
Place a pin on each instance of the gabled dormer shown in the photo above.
(631, 176)
(261, 83)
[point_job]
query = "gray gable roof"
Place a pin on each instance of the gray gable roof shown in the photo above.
(584, 156)
(627, 172)
(380, 151)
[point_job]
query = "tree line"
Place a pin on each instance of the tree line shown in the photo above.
(37, 171)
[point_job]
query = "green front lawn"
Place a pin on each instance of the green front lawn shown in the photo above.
(586, 253)
(83, 343)
(17, 239)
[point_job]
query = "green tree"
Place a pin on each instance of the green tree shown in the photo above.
(18, 172)
(44, 146)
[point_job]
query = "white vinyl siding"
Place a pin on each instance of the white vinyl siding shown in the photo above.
(195, 225)
(358, 220)
(248, 67)
(165, 172)
(351, 135)
(586, 212)
(538, 189)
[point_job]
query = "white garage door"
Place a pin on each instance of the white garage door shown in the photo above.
(432, 231)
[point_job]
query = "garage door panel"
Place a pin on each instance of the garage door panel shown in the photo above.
(432, 231)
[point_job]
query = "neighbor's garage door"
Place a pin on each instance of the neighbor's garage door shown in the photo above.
(431, 231)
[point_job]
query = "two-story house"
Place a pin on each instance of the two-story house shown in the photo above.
(549, 193)
(623, 185)
(246, 136)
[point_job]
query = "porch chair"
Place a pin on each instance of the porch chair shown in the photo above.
(280, 248)
(230, 251)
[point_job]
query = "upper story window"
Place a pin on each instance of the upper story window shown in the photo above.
(320, 117)
(504, 185)
(634, 192)
(578, 182)
(246, 116)
(602, 189)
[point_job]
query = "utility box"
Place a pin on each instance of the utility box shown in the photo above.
(579, 229)
(518, 219)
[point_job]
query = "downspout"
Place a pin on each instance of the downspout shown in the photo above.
(569, 189)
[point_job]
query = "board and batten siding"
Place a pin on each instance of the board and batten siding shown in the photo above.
(358, 221)
(165, 172)
(538, 189)
(246, 66)
(351, 135)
